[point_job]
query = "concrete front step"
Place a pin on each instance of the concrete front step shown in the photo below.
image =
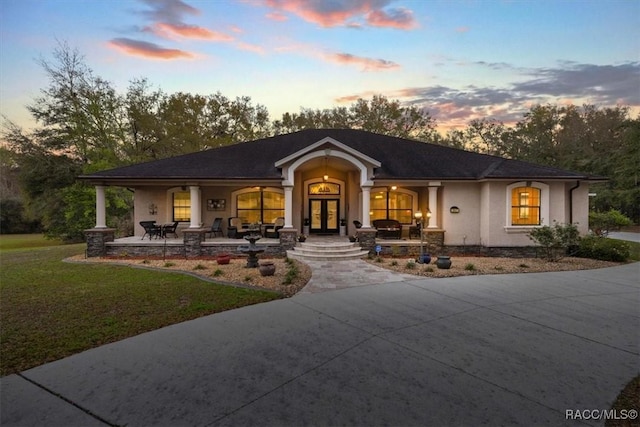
(326, 252)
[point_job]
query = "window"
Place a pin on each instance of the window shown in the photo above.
(324, 189)
(260, 206)
(182, 206)
(392, 205)
(525, 206)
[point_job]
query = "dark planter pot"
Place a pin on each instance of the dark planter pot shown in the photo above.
(424, 259)
(302, 239)
(267, 269)
(223, 259)
(444, 262)
(352, 239)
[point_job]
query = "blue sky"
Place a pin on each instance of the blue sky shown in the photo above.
(460, 60)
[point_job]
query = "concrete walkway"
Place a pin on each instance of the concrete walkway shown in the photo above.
(475, 350)
(625, 235)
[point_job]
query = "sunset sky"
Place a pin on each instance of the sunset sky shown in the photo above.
(460, 60)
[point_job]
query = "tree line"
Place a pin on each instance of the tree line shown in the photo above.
(84, 125)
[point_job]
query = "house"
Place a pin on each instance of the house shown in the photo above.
(322, 180)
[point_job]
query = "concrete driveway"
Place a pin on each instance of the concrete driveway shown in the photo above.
(484, 350)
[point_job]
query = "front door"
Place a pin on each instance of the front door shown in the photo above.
(324, 215)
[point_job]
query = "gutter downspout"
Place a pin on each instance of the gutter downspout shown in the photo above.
(571, 201)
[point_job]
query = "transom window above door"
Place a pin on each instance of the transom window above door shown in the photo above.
(324, 189)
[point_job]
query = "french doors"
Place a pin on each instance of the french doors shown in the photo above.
(324, 215)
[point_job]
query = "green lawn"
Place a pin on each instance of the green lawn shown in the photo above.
(635, 251)
(50, 309)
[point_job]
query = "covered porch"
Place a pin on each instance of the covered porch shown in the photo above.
(193, 244)
(324, 189)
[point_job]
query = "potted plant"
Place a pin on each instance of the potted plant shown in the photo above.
(443, 262)
(302, 238)
(223, 258)
(267, 268)
(424, 259)
(343, 227)
(353, 238)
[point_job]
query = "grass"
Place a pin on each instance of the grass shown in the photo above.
(627, 400)
(24, 241)
(635, 251)
(51, 309)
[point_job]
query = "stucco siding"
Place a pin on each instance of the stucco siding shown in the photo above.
(462, 228)
(581, 208)
(558, 203)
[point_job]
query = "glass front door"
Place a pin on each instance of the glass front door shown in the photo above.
(324, 215)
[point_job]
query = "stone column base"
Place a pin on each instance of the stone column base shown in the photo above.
(288, 238)
(433, 239)
(97, 239)
(367, 239)
(193, 238)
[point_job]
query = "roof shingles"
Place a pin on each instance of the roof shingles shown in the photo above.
(400, 159)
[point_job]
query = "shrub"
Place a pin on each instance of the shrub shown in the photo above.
(200, 267)
(218, 272)
(601, 223)
(169, 264)
(410, 265)
(429, 269)
(604, 249)
(555, 240)
(470, 267)
(378, 259)
(394, 262)
(292, 274)
(523, 266)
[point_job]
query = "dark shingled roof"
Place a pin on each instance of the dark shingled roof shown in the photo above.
(400, 158)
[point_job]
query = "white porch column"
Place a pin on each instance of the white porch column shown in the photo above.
(101, 207)
(366, 206)
(195, 207)
(288, 206)
(433, 205)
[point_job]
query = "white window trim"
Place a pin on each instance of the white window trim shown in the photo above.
(544, 207)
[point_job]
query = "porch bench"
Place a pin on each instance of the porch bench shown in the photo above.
(388, 228)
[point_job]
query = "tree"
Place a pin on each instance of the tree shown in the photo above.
(602, 223)
(596, 141)
(81, 128)
(84, 125)
(377, 115)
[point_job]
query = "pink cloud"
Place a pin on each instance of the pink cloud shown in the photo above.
(164, 29)
(368, 64)
(277, 16)
(353, 98)
(341, 12)
(250, 47)
(462, 29)
(401, 19)
(147, 50)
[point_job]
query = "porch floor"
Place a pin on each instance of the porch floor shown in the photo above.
(178, 241)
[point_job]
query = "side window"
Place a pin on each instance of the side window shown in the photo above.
(525, 206)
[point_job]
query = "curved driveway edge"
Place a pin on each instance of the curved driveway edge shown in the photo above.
(496, 350)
